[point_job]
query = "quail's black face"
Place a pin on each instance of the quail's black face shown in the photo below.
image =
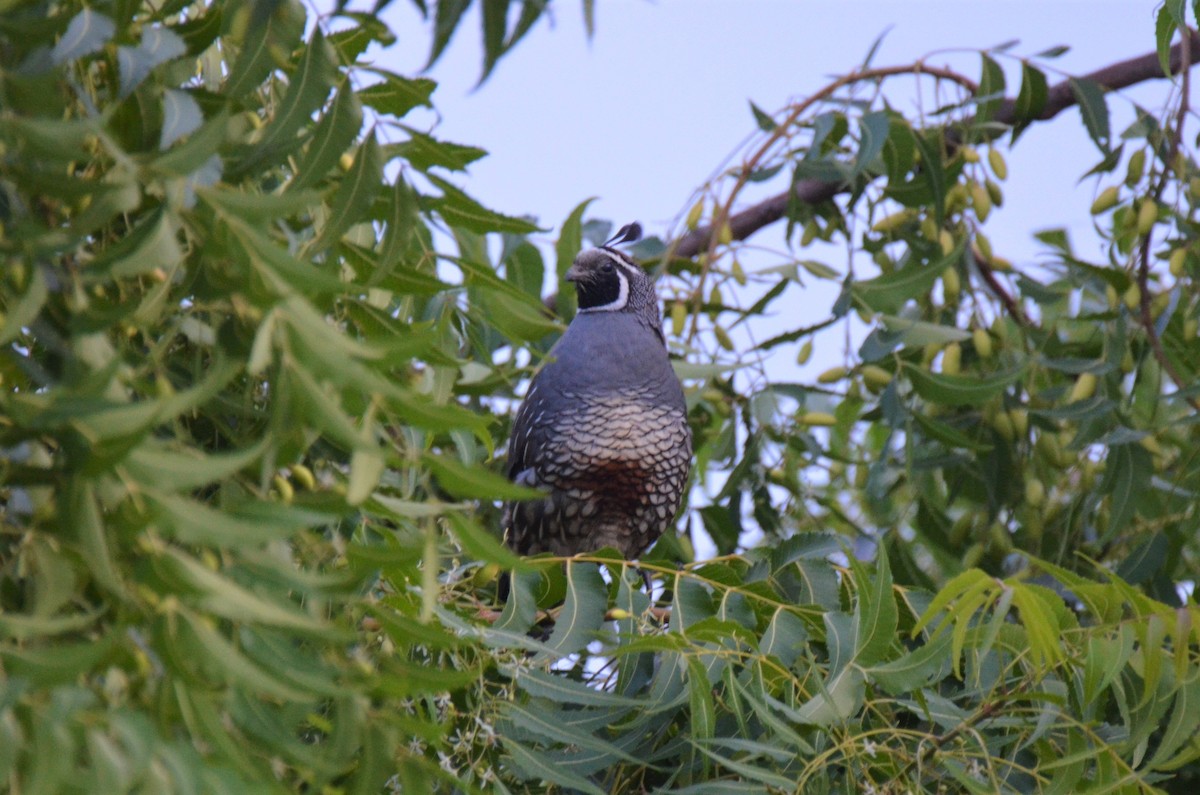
(602, 278)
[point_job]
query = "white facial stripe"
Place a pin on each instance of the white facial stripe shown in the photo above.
(622, 296)
(629, 267)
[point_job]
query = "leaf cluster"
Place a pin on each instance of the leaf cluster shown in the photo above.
(260, 351)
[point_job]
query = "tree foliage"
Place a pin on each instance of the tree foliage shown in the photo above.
(261, 347)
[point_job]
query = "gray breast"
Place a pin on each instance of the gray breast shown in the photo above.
(604, 432)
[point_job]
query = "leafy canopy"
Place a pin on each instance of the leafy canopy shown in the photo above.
(260, 350)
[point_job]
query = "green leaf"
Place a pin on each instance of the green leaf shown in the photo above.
(153, 244)
(396, 95)
(838, 699)
(702, 713)
(134, 64)
(353, 42)
(209, 590)
(1092, 408)
(482, 545)
(366, 466)
(524, 267)
(692, 604)
(464, 481)
(1031, 99)
(1126, 476)
(197, 523)
(959, 390)
(1041, 624)
(355, 195)
(561, 690)
(1181, 730)
(395, 508)
(553, 725)
(495, 23)
(404, 679)
(536, 767)
(332, 136)
(221, 659)
(200, 31)
(20, 627)
(918, 333)
(342, 360)
(582, 613)
(762, 119)
(458, 209)
(933, 175)
(181, 117)
(26, 308)
(400, 224)
(246, 208)
(568, 245)
(963, 584)
(307, 90)
(104, 421)
(784, 637)
(425, 152)
(520, 610)
(59, 664)
(86, 33)
(83, 515)
(1146, 560)
(1053, 52)
(154, 463)
(873, 134)
(531, 13)
(922, 667)
(447, 15)
(745, 771)
(991, 89)
(319, 406)
(281, 271)
(520, 318)
(197, 152)
(505, 305)
(257, 53)
(875, 613)
(1094, 110)
(54, 138)
(1104, 660)
(948, 435)
(889, 292)
(1165, 26)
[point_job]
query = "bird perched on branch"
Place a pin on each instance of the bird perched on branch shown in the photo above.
(603, 429)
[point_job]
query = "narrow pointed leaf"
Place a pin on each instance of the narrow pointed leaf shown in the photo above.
(582, 612)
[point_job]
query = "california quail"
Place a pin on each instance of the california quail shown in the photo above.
(603, 429)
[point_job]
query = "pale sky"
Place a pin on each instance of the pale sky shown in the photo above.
(640, 116)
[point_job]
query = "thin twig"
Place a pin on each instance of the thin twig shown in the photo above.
(781, 130)
(1143, 266)
(989, 277)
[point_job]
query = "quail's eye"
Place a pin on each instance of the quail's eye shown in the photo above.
(607, 268)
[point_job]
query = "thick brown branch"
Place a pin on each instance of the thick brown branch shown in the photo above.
(811, 191)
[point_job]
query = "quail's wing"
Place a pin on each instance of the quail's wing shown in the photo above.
(522, 444)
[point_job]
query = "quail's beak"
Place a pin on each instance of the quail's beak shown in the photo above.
(575, 274)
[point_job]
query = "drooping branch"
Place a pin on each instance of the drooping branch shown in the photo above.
(1145, 310)
(1059, 97)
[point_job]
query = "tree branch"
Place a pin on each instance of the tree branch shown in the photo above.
(1146, 314)
(1059, 97)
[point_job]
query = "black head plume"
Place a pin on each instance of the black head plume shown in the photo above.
(630, 233)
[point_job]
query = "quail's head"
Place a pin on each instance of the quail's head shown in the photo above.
(607, 280)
